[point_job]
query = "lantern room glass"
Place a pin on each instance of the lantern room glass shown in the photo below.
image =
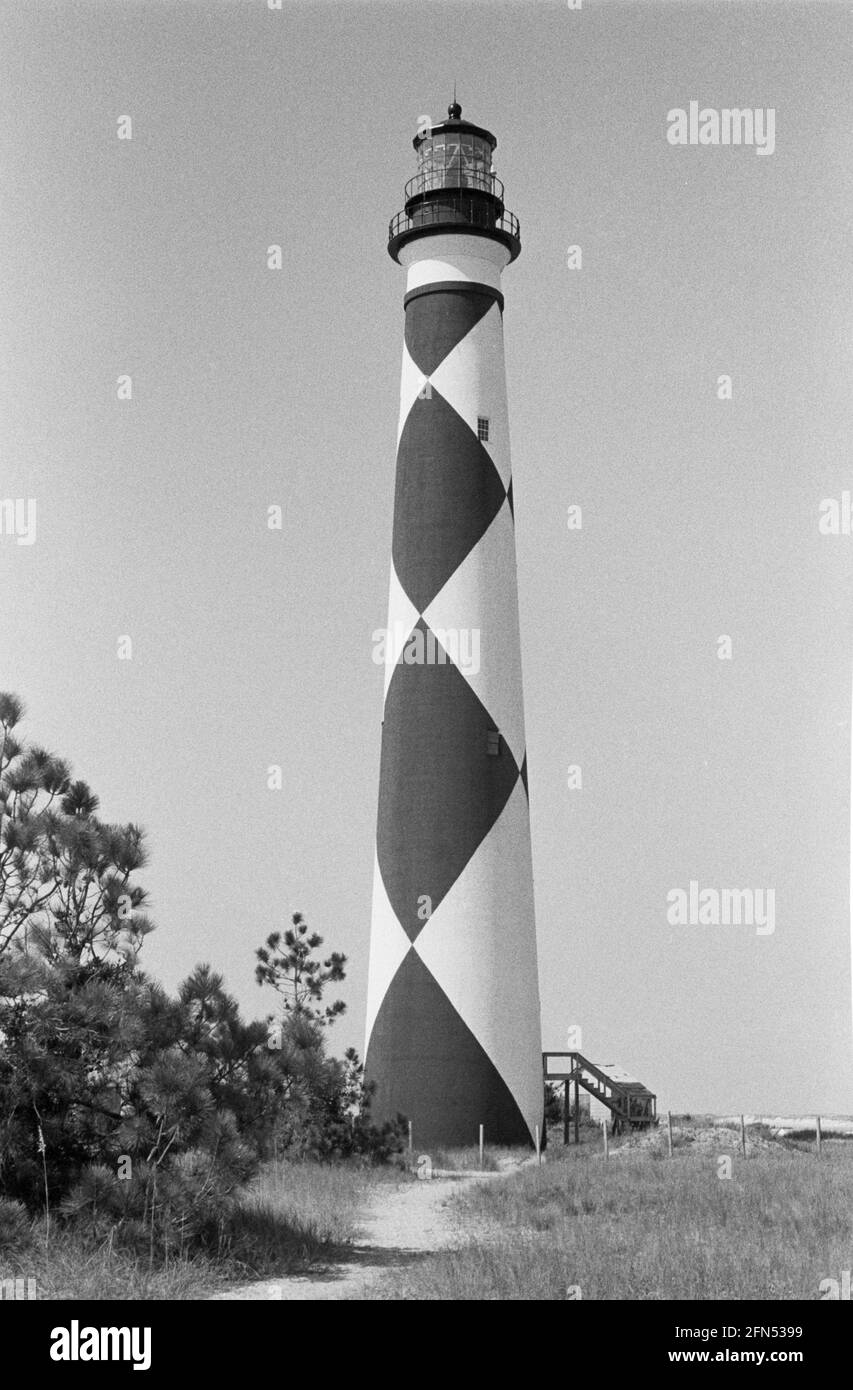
(454, 159)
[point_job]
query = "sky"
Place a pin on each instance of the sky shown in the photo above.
(254, 388)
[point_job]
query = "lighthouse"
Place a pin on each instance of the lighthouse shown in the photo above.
(453, 1027)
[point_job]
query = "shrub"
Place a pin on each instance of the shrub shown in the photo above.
(15, 1226)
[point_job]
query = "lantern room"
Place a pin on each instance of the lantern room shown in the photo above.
(455, 187)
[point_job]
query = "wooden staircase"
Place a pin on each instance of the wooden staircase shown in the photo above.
(631, 1104)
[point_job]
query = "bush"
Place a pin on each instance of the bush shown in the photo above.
(15, 1226)
(134, 1115)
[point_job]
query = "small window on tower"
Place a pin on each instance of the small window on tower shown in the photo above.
(493, 743)
(482, 427)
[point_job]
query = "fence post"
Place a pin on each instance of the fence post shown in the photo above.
(410, 1136)
(818, 1136)
(481, 1148)
(742, 1136)
(566, 1110)
(538, 1146)
(669, 1131)
(606, 1144)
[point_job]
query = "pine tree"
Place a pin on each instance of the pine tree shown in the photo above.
(288, 964)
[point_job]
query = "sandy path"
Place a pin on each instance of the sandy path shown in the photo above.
(398, 1228)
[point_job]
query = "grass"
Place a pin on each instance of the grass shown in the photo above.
(642, 1227)
(294, 1217)
(316, 1205)
(75, 1270)
(463, 1160)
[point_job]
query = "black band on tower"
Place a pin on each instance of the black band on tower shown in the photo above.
(457, 286)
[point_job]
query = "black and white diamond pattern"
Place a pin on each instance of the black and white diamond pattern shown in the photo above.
(453, 1005)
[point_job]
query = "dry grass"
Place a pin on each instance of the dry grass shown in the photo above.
(464, 1160)
(644, 1228)
(318, 1203)
(73, 1269)
(292, 1218)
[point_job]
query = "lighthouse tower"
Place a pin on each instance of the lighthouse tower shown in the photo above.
(453, 1030)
